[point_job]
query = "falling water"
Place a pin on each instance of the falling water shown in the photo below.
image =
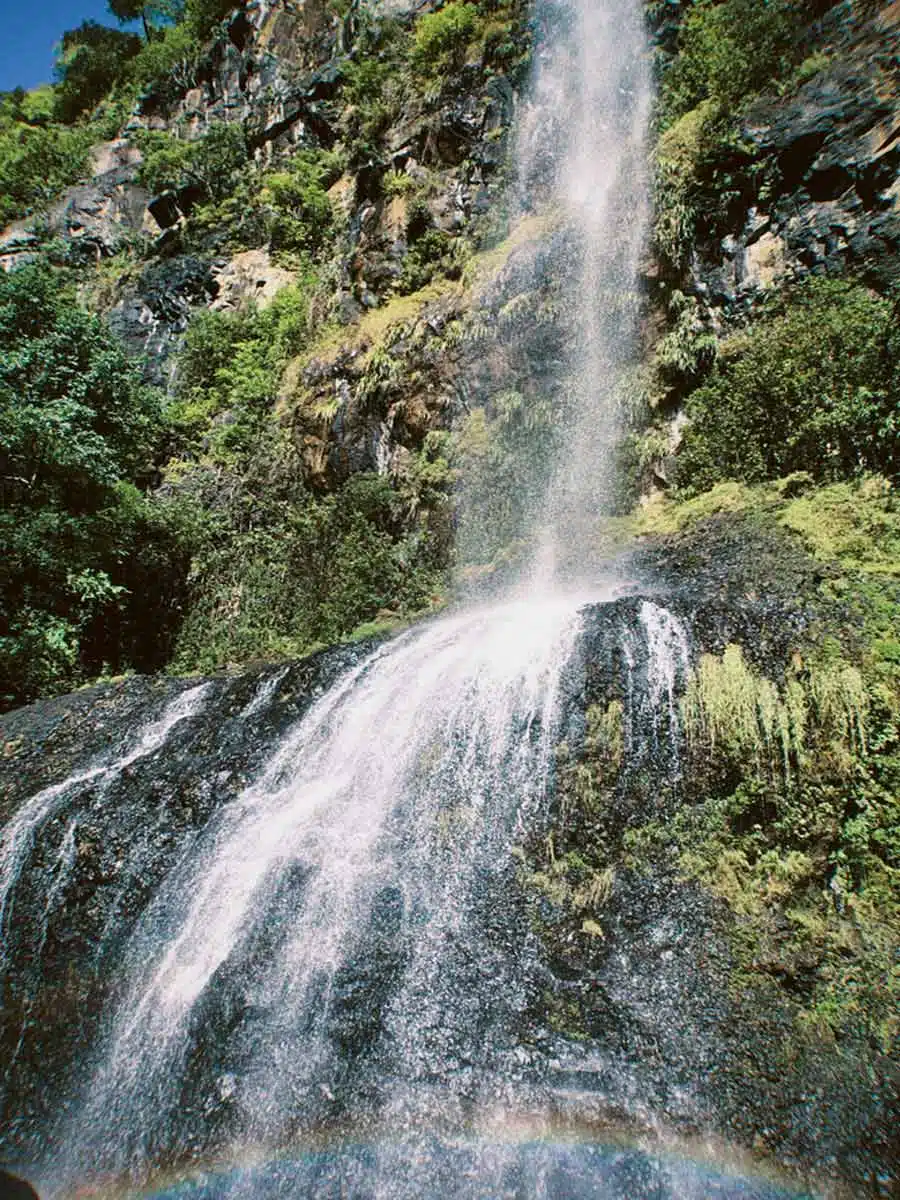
(396, 802)
(581, 148)
(669, 661)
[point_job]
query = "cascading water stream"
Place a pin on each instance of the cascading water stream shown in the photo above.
(401, 792)
(342, 943)
(581, 149)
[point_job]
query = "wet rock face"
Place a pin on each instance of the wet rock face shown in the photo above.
(637, 1004)
(833, 150)
(95, 856)
(150, 318)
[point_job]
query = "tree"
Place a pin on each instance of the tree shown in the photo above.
(147, 11)
(90, 568)
(93, 58)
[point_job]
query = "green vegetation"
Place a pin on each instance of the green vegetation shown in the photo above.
(82, 542)
(786, 808)
(92, 61)
(151, 13)
(46, 134)
(442, 38)
(281, 570)
(284, 572)
(729, 51)
(811, 385)
(229, 372)
(795, 826)
(211, 163)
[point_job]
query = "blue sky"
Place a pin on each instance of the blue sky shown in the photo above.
(31, 28)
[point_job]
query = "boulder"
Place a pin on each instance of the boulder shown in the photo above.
(249, 276)
(97, 218)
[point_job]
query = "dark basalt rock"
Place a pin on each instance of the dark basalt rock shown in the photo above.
(13, 1188)
(832, 155)
(151, 316)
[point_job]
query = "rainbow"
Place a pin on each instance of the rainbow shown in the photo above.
(576, 1162)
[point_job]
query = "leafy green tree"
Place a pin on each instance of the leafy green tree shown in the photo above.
(201, 16)
(93, 58)
(149, 12)
(812, 386)
(77, 537)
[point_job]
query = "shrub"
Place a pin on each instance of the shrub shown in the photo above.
(303, 215)
(212, 163)
(93, 60)
(729, 50)
(229, 370)
(812, 385)
(372, 85)
(37, 162)
(202, 16)
(166, 63)
(442, 38)
(305, 570)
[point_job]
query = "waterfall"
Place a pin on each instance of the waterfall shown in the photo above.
(581, 150)
(345, 943)
(396, 799)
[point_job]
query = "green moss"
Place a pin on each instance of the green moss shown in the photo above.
(857, 524)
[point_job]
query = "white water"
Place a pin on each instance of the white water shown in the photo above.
(669, 658)
(581, 148)
(402, 792)
(419, 768)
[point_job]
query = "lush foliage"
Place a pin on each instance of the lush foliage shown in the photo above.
(301, 218)
(46, 135)
(281, 569)
(230, 367)
(93, 59)
(729, 50)
(37, 157)
(90, 567)
(442, 38)
(284, 571)
(812, 385)
(210, 164)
